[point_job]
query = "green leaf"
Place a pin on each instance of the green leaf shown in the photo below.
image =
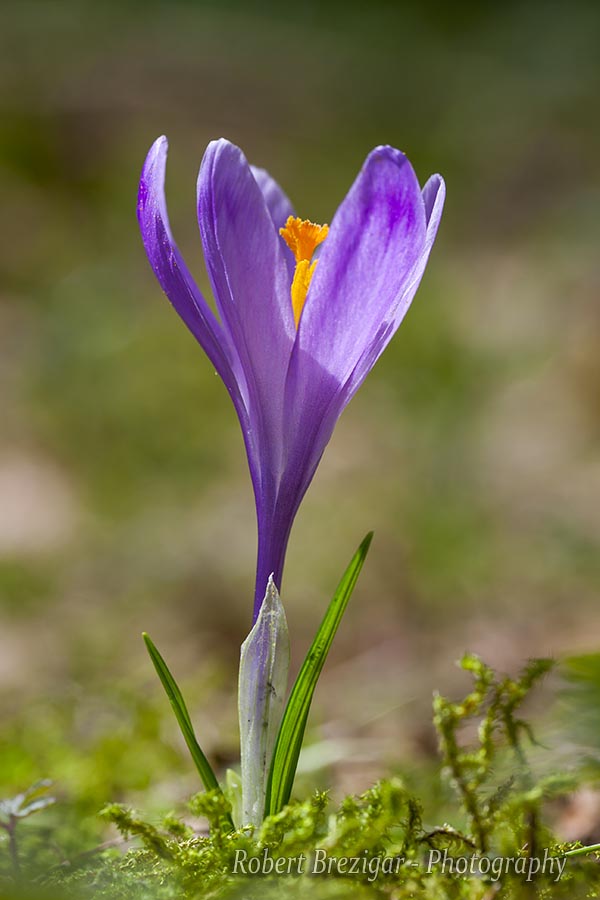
(293, 724)
(182, 715)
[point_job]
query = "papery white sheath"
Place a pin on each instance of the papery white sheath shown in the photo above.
(264, 664)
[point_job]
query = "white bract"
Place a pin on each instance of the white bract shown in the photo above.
(264, 664)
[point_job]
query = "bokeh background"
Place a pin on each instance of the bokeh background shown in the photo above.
(472, 450)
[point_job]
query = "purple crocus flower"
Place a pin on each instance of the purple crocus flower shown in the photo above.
(295, 337)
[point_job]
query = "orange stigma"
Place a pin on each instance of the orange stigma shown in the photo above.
(302, 237)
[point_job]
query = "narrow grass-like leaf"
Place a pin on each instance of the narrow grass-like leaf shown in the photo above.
(293, 724)
(182, 715)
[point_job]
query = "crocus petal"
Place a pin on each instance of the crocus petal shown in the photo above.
(172, 273)
(278, 203)
(251, 282)
(434, 195)
(320, 388)
(374, 243)
(249, 276)
(280, 208)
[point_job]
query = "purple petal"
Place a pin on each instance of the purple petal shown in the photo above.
(250, 280)
(364, 283)
(277, 201)
(433, 195)
(244, 257)
(280, 209)
(172, 273)
(374, 243)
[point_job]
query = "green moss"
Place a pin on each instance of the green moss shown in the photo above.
(383, 834)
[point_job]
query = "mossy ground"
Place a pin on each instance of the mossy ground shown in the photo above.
(501, 826)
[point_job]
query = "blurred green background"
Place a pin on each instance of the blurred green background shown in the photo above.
(472, 450)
